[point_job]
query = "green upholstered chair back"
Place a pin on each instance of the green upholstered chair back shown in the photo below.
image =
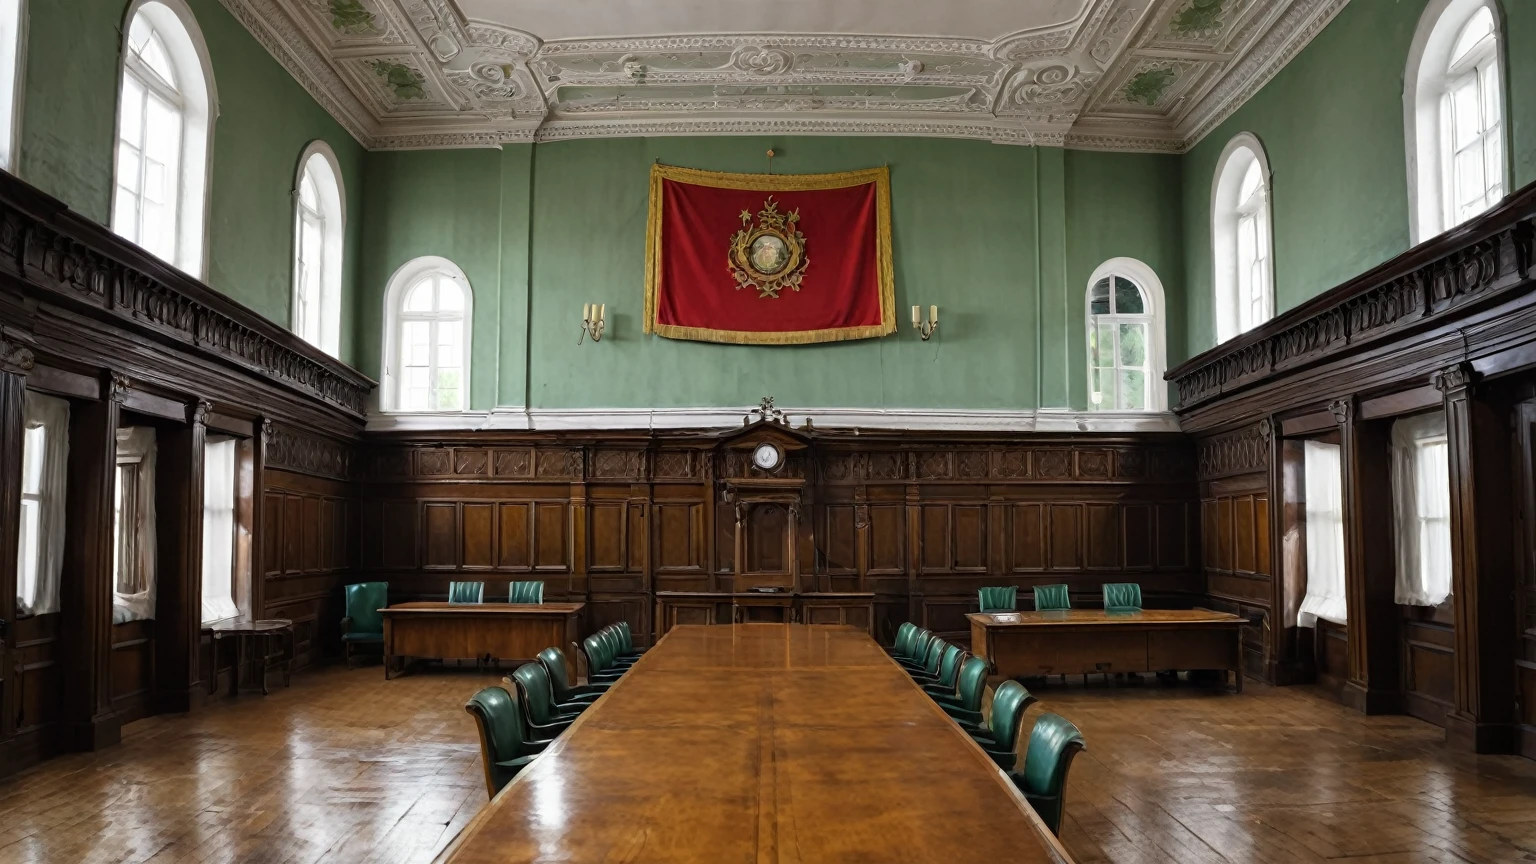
(500, 721)
(597, 653)
(949, 665)
(538, 694)
(1008, 706)
(466, 592)
(1052, 598)
(904, 635)
(553, 661)
(934, 654)
(364, 600)
(972, 684)
(999, 599)
(1052, 744)
(611, 638)
(920, 645)
(525, 592)
(626, 637)
(1122, 596)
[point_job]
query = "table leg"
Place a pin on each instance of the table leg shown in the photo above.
(234, 672)
(288, 666)
(266, 662)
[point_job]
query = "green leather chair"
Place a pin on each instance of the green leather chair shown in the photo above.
(363, 624)
(918, 655)
(544, 718)
(932, 656)
(943, 680)
(525, 592)
(616, 657)
(566, 693)
(1052, 598)
(505, 747)
(902, 646)
(1000, 737)
(1002, 599)
(627, 649)
(1052, 744)
(1122, 597)
(965, 705)
(600, 669)
(466, 592)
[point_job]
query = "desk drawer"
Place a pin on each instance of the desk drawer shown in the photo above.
(1051, 651)
(1192, 649)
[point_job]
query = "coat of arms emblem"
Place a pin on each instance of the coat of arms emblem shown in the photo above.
(769, 256)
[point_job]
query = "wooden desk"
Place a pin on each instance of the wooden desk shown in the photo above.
(756, 743)
(760, 607)
(262, 633)
(508, 631)
(1088, 641)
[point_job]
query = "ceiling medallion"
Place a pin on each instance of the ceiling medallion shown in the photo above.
(771, 256)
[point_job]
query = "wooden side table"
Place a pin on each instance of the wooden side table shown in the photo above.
(249, 634)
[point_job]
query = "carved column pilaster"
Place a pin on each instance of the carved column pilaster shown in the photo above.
(1374, 684)
(1482, 563)
(179, 494)
(15, 362)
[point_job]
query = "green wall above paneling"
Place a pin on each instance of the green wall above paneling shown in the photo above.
(542, 229)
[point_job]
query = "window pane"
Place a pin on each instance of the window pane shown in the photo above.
(1493, 161)
(155, 57)
(419, 298)
(1133, 345)
(1106, 346)
(1128, 299)
(31, 540)
(1469, 176)
(416, 343)
(1095, 393)
(450, 344)
(1252, 180)
(34, 444)
(448, 390)
(133, 111)
(308, 194)
(450, 297)
(1479, 27)
(1098, 297)
(1465, 113)
(1133, 389)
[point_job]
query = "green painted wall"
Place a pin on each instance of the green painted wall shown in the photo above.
(542, 229)
(1332, 126)
(265, 120)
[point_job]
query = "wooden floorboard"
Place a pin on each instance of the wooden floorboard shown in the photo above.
(344, 767)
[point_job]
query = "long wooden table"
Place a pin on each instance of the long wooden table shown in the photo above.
(760, 743)
(1091, 641)
(509, 631)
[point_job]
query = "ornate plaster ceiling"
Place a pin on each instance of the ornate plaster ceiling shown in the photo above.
(1111, 74)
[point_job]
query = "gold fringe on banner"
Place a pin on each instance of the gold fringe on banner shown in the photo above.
(881, 177)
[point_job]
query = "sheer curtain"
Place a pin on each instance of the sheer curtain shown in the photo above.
(219, 529)
(136, 446)
(45, 471)
(1421, 509)
(1325, 537)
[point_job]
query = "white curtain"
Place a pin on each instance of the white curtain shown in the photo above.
(137, 443)
(219, 529)
(45, 472)
(1421, 505)
(1325, 537)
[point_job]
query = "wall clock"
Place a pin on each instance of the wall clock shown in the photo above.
(767, 456)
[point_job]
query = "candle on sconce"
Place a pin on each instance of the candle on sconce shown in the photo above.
(602, 311)
(917, 315)
(933, 314)
(586, 311)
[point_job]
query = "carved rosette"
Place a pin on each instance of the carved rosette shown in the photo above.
(15, 357)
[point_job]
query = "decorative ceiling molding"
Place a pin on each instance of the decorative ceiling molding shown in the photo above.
(1143, 75)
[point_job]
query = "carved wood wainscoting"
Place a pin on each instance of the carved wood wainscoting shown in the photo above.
(1449, 326)
(919, 520)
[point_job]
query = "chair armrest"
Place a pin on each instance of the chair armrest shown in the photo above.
(551, 729)
(346, 624)
(962, 714)
(537, 746)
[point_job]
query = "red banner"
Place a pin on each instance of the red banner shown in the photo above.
(769, 259)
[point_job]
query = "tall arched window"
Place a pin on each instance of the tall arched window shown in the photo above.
(164, 126)
(1241, 239)
(429, 307)
(1126, 353)
(13, 21)
(319, 235)
(1453, 103)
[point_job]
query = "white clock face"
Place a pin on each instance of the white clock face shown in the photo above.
(766, 456)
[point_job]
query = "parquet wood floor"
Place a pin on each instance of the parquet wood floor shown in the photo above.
(342, 767)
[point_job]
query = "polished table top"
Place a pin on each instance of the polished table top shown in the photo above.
(439, 606)
(761, 743)
(1141, 619)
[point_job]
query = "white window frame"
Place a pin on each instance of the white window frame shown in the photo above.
(188, 52)
(1233, 312)
(318, 320)
(1426, 83)
(1157, 350)
(221, 516)
(404, 279)
(13, 79)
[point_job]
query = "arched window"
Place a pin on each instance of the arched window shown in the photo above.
(13, 19)
(319, 234)
(1126, 354)
(164, 125)
(1453, 103)
(426, 354)
(1241, 239)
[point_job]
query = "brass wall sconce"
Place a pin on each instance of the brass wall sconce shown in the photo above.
(594, 320)
(925, 328)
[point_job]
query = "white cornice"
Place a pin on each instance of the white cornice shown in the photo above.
(898, 419)
(418, 74)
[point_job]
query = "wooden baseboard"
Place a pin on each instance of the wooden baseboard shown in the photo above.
(1470, 736)
(1371, 700)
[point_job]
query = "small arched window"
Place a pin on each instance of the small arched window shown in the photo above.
(1241, 239)
(319, 236)
(13, 20)
(1454, 115)
(1126, 354)
(426, 361)
(164, 126)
